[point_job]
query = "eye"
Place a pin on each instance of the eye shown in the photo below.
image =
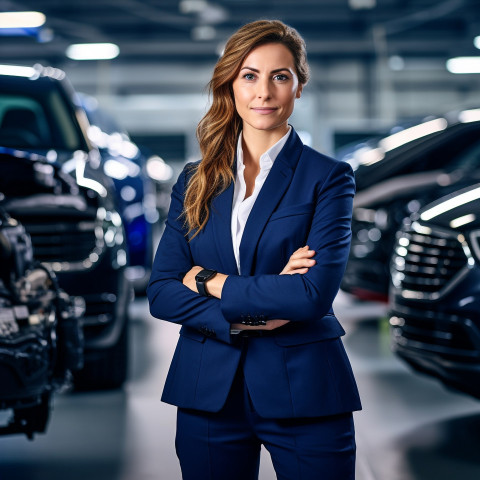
(249, 76)
(280, 77)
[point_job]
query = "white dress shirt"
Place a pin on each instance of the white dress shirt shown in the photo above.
(242, 206)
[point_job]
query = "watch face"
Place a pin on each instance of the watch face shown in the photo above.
(204, 275)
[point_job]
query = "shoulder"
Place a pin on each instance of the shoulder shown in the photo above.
(185, 175)
(189, 169)
(323, 167)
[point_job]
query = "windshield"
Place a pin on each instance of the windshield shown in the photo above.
(37, 119)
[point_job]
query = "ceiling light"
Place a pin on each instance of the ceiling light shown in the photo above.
(396, 63)
(208, 13)
(476, 41)
(21, 19)
(92, 51)
(203, 32)
(464, 65)
(362, 4)
(193, 6)
(17, 71)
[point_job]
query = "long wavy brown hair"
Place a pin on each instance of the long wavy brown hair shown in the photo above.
(218, 130)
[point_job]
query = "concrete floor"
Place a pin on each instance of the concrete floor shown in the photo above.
(411, 428)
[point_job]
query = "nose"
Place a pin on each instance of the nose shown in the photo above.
(264, 89)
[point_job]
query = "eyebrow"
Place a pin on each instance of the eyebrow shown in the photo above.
(273, 71)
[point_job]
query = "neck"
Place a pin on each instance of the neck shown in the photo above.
(256, 142)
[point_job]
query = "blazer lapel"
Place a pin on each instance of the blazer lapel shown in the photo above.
(269, 197)
(221, 212)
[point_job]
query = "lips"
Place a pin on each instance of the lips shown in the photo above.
(264, 110)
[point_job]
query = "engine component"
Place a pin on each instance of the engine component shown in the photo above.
(41, 340)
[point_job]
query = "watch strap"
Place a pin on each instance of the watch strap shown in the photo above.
(202, 290)
(202, 278)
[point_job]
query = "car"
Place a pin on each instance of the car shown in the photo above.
(54, 184)
(435, 290)
(41, 340)
(135, 190)
(395, 177)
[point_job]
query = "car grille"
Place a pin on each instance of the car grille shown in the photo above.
(61, 239)
(425, 264)
(438, 332)
(100, 308)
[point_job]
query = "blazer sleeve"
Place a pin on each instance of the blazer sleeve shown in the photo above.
(169, 299)
(310, 296)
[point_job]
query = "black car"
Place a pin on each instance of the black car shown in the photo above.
(53, 183)
(395, 177)
(435, 292)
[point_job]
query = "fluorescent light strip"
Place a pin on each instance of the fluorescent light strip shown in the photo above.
(21, 19)
(463, 65)
(17, 71)
(450, 204)
(92, 51)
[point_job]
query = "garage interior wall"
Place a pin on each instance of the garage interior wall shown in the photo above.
(344, 96)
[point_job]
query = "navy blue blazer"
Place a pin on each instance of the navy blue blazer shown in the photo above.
(301, 370)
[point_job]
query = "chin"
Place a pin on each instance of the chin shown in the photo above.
(264, 126)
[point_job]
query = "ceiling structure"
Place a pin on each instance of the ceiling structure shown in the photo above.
(373, 61)
(152, 31)
(378, 60)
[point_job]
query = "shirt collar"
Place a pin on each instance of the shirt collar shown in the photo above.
(267, 158)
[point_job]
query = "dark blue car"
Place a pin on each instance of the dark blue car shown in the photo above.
(124, 162)
(435, 291)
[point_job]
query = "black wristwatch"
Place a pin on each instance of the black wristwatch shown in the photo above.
(201, 278)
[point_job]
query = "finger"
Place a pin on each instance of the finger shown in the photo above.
(302, 271)
(301, 262)
(293, 266)
(301, 249)
(303, 254)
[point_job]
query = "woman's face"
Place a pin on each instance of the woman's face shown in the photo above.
(266, 88)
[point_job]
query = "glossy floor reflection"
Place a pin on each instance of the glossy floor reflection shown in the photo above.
(411, 428)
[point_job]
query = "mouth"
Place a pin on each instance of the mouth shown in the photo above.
(264, 110)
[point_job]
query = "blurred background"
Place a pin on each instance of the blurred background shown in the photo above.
(99, 102)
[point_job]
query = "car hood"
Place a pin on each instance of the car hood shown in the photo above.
(459, 210)
(26, 173)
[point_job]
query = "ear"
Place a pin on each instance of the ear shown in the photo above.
(299, 91)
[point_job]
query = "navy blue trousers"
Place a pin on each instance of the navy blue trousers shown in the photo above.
(226, 445)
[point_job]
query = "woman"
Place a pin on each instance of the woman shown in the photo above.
(254, 249)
